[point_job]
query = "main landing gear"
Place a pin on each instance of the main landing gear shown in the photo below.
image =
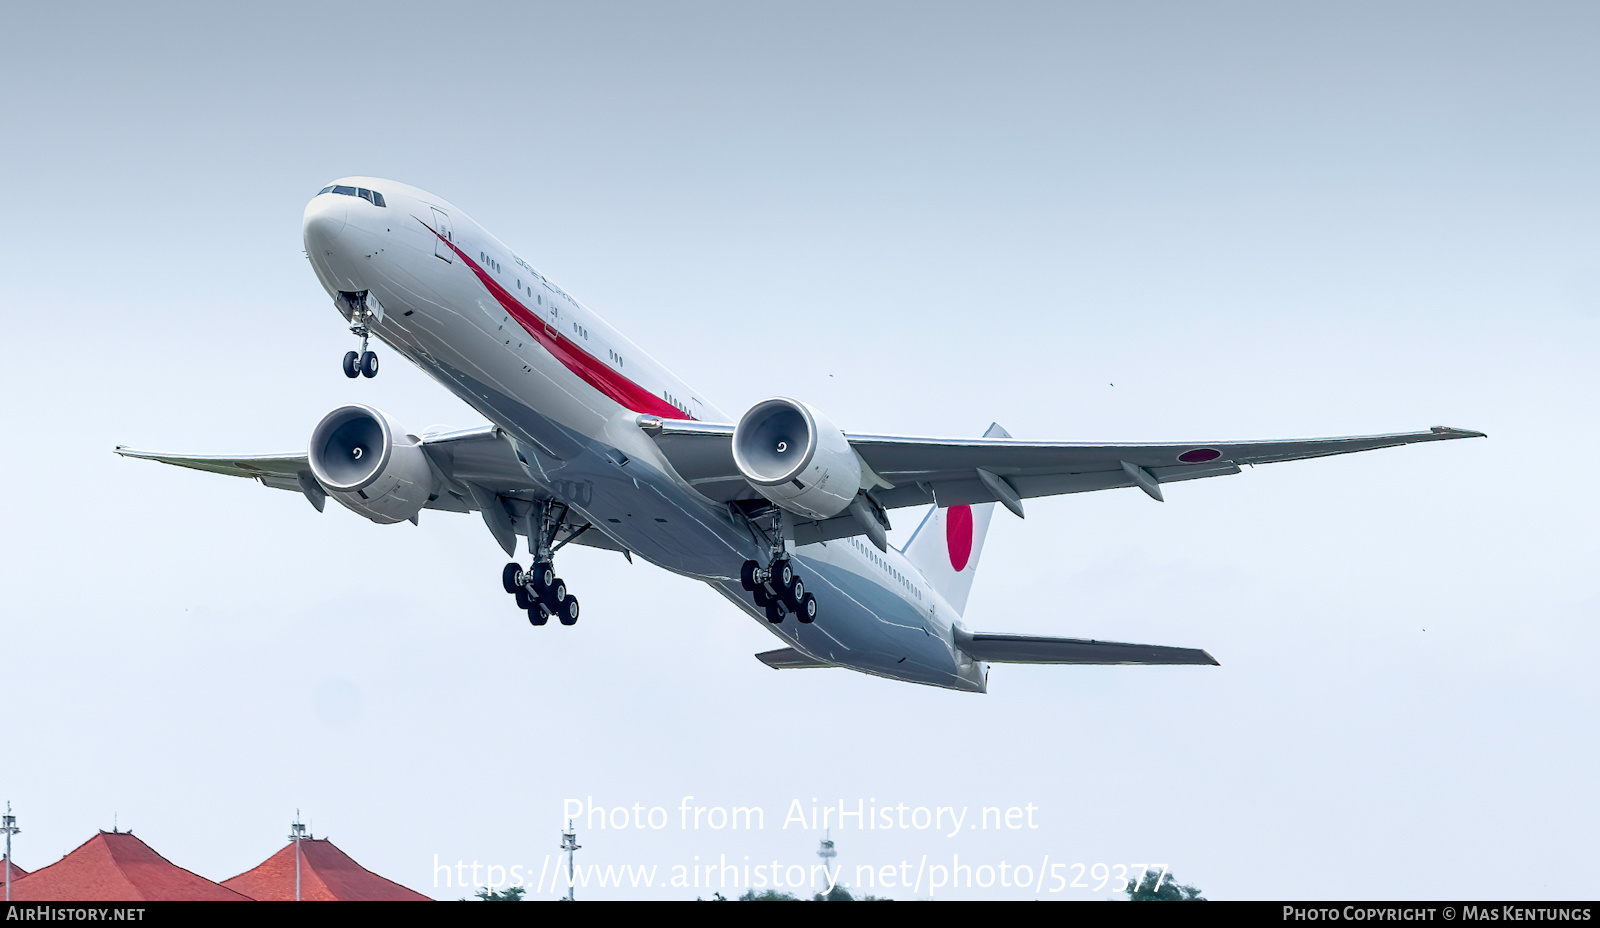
(538, 590)
(779, 590)
(540, 593)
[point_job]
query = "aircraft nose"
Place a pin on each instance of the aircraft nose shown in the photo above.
(324, 220)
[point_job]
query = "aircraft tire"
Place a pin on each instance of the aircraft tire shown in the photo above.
(524, 601)
(794, 595)
(369, 364)
(774, 613)
(556, 593)
(544, 577)
(352, 365)
(782, 574)
(747, 576)
(569, 611)
(509, 578)
(807, 612)
(538, 614)
(761, 597)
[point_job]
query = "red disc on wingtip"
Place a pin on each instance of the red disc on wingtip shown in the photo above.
(958, 535)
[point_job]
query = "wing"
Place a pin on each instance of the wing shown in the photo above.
(906, 471)
(478, 471)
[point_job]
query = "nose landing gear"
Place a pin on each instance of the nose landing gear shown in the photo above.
(361, 308)
(361, 363)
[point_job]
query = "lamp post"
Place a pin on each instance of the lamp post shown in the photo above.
(8, 824)
(296, 832)
(569, 843)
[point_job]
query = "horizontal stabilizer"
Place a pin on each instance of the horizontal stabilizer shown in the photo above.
(1030, 649)
(790, 659)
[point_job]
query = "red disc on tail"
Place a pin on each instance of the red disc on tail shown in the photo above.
(958, 535)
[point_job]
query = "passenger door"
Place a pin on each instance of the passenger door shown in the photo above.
(441, 224)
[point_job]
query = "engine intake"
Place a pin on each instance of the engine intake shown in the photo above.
(794, 456)
(370, 465)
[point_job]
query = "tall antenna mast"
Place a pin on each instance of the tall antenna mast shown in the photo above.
(8, 824)
(569, 843)
(826, 851)
(296, 832)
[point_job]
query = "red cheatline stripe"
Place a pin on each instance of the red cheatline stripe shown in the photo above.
(592, 370)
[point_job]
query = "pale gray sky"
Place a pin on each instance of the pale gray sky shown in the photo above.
(1256, 220)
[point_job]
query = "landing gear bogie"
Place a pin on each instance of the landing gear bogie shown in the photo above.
(778, 590)
(537, 589)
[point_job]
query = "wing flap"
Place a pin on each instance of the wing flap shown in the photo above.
(1032, 649)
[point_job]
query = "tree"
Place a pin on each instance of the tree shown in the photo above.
(766, 895)
(510, 894)
(1145, 890)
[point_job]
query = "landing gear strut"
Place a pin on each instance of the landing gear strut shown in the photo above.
(538, 590)
(361, 363)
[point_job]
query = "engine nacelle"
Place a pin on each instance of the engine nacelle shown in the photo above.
(370, 465)
(795, 457)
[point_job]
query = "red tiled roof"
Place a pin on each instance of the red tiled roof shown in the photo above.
(327, 874)
(116, 866)
(17, 872)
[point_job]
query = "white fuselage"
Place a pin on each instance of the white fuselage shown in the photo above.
(569, 389)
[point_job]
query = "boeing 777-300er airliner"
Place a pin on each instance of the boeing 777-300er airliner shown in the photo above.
(592, 442)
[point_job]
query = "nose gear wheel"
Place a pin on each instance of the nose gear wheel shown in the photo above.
(363, 363)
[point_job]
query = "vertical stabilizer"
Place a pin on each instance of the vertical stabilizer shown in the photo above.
(946, 546)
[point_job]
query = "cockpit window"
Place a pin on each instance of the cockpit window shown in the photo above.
(371, 196)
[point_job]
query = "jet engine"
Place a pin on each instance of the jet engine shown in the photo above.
(795, 457)
(370, 465)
